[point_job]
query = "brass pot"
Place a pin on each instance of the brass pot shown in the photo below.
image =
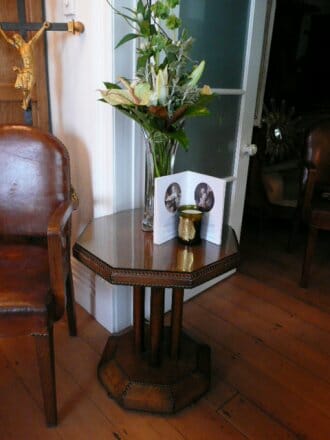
(190, 221)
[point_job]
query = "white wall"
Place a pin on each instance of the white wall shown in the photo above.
(78, 65)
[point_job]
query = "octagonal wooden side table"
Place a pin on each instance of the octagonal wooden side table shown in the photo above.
(152, 367)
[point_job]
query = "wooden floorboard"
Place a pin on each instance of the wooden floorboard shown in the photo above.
(270, 343)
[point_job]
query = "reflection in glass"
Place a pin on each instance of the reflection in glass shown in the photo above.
(212, 24)
(278, 133)
(212, 140)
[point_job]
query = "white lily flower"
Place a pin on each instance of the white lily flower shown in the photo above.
(143, 92)
(117, 97)
(153, 100)
(162, 86)
(153, 77)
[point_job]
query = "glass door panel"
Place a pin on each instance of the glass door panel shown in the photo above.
(212, 140)
(229, 36)
(219, 29)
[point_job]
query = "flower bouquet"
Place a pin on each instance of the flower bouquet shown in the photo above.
(165, 90)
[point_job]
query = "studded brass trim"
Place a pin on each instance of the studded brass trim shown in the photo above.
(134, 277)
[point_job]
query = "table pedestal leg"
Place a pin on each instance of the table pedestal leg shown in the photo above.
(149, 378)
(138, 318)
(156, 324)
(176, 322)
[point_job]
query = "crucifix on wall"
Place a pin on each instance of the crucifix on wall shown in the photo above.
(26, 73)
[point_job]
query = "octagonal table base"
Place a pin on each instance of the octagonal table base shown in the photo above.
(168, 387)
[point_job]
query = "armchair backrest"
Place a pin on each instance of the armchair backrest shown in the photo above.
(318, 153)
(34, 179)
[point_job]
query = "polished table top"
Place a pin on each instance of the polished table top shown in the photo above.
(117, 249)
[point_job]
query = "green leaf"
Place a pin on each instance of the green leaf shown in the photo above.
(142, 61)
(173, 22)
(110, 85)
(206, 99)
(140, 7)
(126, 17)
(130, 10)
(159, 41)
(194, 111)
(145, 28)
(160, 10)
(127, 38)
(181, 137)
(173, 3)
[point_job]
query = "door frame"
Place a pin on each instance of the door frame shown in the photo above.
(253, 57)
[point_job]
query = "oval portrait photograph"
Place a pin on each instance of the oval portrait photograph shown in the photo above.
(204, 197)
(172, 197)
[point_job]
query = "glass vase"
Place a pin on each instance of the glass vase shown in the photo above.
(160, 156)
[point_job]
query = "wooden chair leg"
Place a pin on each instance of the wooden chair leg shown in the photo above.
(45, 355)
(312, 236)
(70, 308)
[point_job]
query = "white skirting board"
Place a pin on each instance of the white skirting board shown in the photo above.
(110, 305)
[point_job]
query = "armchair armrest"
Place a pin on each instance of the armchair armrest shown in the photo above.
(59, 218)
(57, 245)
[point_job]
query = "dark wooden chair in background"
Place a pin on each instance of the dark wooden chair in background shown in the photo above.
(35, 226)
(274, 180)
(316, 194)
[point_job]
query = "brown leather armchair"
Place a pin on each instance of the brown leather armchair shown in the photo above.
(316, 198)
(35, 226)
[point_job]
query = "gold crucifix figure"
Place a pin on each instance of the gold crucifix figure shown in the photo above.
(26, 78)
